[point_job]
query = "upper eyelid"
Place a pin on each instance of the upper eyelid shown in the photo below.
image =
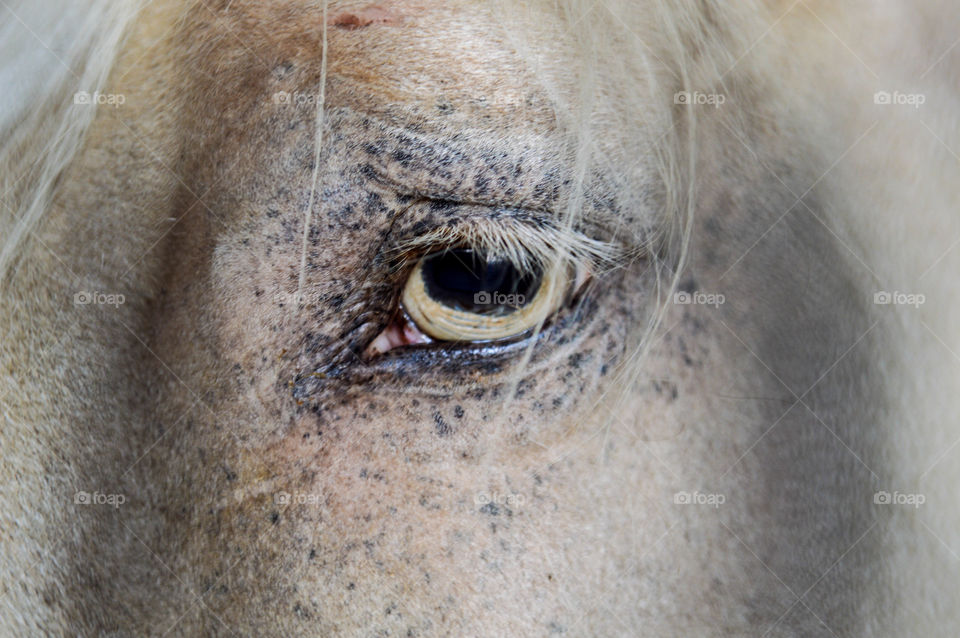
(521, 236)
(446, 168)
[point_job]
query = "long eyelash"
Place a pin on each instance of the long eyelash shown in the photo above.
(527, 244)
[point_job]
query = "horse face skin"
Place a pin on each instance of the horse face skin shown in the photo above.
(278, 480)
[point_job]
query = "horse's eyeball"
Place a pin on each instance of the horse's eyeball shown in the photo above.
(464, 295)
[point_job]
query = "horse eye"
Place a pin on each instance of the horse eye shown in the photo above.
(465, 295)
(466, 280)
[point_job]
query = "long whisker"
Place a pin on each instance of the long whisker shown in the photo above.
(318, 142)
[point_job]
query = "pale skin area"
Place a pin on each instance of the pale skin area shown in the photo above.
(215, 397)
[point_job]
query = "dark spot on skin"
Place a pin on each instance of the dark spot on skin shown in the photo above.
(491, 509)
(458, 411)
(364, 18)
(402, 157)
(274, 517)
(312, 554)
(442, 427)
(482, 184)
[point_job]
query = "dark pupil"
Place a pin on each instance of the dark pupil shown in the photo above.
(466, 280)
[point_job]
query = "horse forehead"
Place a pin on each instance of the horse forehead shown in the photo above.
(445, 73)
(431, 66)
(365, 40)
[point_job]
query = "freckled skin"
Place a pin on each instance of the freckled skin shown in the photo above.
(298, 487)
(394, 465)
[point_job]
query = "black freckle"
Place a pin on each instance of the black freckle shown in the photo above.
(491, 509)
(273, 212)
(458, 411)
(374, 199)
(312, 554)
(604, 369)
(351, 586)
(442, 427)
(481, 184)
(441, 205)
(283, 70)
(274, 517)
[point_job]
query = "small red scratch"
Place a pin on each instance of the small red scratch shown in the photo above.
(374, 14)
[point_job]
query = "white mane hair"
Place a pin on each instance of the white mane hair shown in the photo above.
(50, 50)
